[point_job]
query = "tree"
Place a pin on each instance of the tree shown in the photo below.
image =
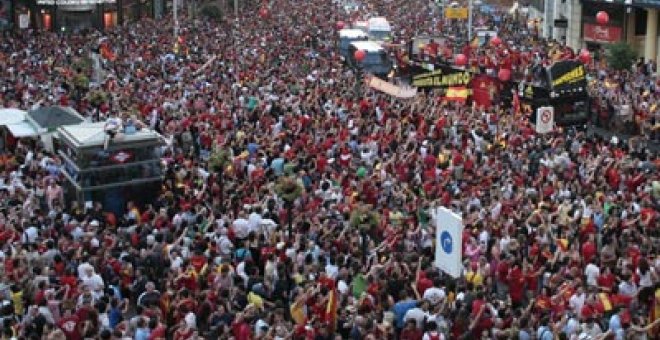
(620, 56)
(211, 11)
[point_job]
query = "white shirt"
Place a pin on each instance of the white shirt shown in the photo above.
(331, 270)
(592, 272)
(434, 295)
(30, 235)
(241, 228)
(628, 289)
(427, 335)
(254, 222)
(416, 314)
(646, 280)
(577, 302)
(94, 282)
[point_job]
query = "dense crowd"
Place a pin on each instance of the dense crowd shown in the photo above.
(317, 225)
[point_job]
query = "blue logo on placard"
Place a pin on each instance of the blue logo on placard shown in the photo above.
(446, 242)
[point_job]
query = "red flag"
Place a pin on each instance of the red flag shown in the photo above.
(483, 90)
(106, 52)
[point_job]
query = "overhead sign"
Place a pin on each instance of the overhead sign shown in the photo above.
(443, 77)
(568, 77)
(545, 119)
(448, 243)
(456, 13)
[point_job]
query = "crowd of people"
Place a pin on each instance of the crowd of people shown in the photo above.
(293, 209)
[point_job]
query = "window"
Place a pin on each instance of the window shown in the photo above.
(640, 21)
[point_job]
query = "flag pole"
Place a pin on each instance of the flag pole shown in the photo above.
(175, 9)
(470, 21)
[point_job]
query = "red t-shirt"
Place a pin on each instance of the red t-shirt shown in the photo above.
(423, 284)
(69, 325)
(588, 251)
(411, 334)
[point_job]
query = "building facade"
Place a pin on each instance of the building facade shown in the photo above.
(73, 15)
(573, 22)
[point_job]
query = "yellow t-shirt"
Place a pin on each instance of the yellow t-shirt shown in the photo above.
(474, 278)
(256, 300)
(17, 300)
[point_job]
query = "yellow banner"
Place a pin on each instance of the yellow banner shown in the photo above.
(456, 13)
(438, 79)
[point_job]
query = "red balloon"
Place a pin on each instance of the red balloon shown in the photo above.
(360, 55)
(263, 13)
(460, 59)
(602, 18)
(585, 56)
(504, 74)
(340, 25)
(495, 41)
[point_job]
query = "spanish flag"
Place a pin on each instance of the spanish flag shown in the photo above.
(474, 43)
(331, 311)
(457, 94)
(563, 244)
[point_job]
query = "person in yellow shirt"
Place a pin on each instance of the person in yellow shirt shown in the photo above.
(473, 276)
(17, 300)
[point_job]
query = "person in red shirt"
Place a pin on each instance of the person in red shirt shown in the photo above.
(70, 325)
(158, 330)
(241, 329)
(588, 250)
(606, 281)
(411, 332)
(516, 282)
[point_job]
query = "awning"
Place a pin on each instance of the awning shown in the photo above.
(22, 129)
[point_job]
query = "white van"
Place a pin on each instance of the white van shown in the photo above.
(379, 29)
(347, 36)
(376, 61)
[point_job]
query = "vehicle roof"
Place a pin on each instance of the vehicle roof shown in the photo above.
(352, 33)
(379, 22)
(369, 46)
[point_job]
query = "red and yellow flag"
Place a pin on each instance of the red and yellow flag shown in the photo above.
(605, 301)
(562, 243)
(475, 42)
(331, 311)
(457, 94)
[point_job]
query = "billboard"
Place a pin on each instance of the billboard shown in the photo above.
(602, 34)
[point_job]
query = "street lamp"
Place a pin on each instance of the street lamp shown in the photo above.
(175, 9)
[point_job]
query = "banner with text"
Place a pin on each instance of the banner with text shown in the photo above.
(442, 77)
(391, 89)
(602, 34)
